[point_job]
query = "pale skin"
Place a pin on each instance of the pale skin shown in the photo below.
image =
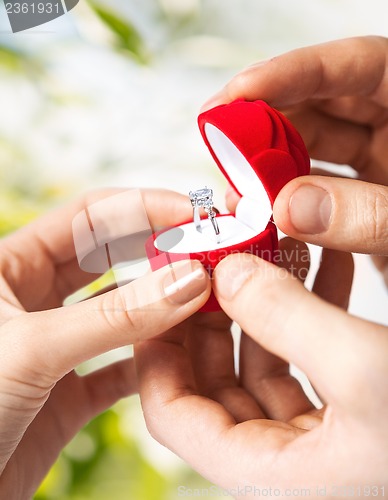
(43, 402)
(258, 429)
(336, 94)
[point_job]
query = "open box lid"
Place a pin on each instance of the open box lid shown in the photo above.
(255, 147)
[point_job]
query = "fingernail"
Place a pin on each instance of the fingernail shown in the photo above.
(260, 63)
(230, 276)
(310, 209)
(184, 282)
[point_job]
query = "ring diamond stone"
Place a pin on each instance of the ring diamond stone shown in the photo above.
(204, 198)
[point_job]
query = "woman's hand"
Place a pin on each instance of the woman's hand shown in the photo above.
(43, 403)
(336, 94)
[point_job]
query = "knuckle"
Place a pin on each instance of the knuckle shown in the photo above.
(113, 310)
(154, 422)
(122, 313)
(94, 195)
(27, 375)
(240, 84)
(375, 216)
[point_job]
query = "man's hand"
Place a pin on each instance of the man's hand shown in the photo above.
(336, 94)
(257, 430)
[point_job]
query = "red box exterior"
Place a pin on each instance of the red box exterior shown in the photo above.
(277, 154)
(263, 245)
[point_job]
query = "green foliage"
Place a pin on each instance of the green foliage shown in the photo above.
(18, 208)
(112, 467)
(103, 462)
(14, 60)
(126, 35)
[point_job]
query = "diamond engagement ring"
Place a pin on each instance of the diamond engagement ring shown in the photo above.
(204, 198)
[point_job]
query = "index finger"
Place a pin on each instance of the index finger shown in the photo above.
(54, 230)
(353, 66)
(50, 239)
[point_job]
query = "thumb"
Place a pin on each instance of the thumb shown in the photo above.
(342, 214)
(276, 311)
(51, 343)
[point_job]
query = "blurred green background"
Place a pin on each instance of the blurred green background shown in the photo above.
(108, 95)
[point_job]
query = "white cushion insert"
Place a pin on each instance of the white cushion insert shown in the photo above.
(232, 231)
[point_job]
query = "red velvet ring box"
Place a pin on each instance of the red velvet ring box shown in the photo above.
(258, 150)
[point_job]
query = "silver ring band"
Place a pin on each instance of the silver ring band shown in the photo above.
(204, 198)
